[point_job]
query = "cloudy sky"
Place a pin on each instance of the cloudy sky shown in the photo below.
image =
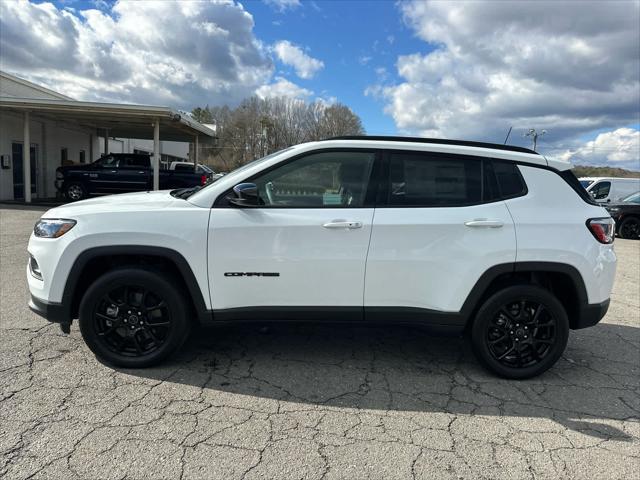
(458, 69)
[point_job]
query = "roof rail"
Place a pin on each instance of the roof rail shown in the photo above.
(439, 141)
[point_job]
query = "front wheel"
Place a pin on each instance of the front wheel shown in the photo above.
(520, 332)
(75, 192)
(630, 228)
(131, 317)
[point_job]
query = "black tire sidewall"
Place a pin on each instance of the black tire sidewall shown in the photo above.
(512, 294)
(152, 280)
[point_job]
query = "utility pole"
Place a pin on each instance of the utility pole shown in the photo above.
(534, 135)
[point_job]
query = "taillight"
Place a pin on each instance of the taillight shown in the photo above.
(602, 228)
(203, 179)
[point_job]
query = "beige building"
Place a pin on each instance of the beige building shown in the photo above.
(61, 130)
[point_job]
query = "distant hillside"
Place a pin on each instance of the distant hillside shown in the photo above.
(585, 171)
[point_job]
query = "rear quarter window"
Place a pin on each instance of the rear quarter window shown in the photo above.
(509, 180)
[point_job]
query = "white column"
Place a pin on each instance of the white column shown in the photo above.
(156, 155)
(106, 141)
(196, 148)
(26, 159)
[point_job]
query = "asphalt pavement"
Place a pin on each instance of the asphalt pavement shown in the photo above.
(313, 401)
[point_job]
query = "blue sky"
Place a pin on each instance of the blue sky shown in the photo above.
(459, 69)
(353, 38)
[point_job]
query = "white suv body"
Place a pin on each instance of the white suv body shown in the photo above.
(356, 229)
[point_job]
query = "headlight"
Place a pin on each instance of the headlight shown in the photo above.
(613, 209)
(52, 228)
(59, 175)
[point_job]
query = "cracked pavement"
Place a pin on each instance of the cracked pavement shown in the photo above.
(313, 401)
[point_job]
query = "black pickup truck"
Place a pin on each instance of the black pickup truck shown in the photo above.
(120, 173)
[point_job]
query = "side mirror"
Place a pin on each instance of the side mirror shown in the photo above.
(246, 195)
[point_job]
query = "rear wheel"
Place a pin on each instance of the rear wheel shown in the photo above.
(133, 317)
(520, 332)
(75, 192)
(630, 228)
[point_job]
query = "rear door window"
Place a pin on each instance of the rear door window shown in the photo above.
(433, 180)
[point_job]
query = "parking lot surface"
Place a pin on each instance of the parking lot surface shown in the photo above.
(313, 401)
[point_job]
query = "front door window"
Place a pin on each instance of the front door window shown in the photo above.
(321, 180)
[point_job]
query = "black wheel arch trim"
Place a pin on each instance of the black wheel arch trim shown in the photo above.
(68, 296)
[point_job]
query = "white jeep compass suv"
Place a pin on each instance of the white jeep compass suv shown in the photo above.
(493, 240)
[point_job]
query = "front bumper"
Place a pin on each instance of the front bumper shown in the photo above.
(590, 315)
(53, 312)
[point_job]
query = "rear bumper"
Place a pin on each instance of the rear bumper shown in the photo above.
(590, 315)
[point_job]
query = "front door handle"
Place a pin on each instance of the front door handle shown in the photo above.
(484, 223)
(342, 224)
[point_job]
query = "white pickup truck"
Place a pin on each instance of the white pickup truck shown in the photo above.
(448, 235)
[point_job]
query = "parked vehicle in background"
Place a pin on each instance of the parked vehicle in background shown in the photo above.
(188, 166)
(610, 189)
(452, 236)
(121, 173)
(627, 216)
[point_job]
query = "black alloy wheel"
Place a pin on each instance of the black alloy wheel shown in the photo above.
(132, 320)
(133, 317)
(520, 332)
(630, 228)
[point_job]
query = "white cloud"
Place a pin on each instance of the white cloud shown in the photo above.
(282, 5)
(304, 65)
(571, 69)
(619, 147)
(326, 101)
(172, 53)
(283, 88)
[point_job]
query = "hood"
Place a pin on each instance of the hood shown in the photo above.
(620, 205)
(139, 201)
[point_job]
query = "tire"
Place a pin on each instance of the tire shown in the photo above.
(125, 327)
(630, 228)
(75, 192)
(525, 325)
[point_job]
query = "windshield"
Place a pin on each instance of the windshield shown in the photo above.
(586, 183)
(187, 192)
(634, 198)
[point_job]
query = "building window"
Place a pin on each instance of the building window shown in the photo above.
(64, 156)
(82, 157)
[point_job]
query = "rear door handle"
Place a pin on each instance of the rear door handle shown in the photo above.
(483, 223)
(342, 224)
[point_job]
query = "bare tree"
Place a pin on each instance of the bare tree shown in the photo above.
(258, 127)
